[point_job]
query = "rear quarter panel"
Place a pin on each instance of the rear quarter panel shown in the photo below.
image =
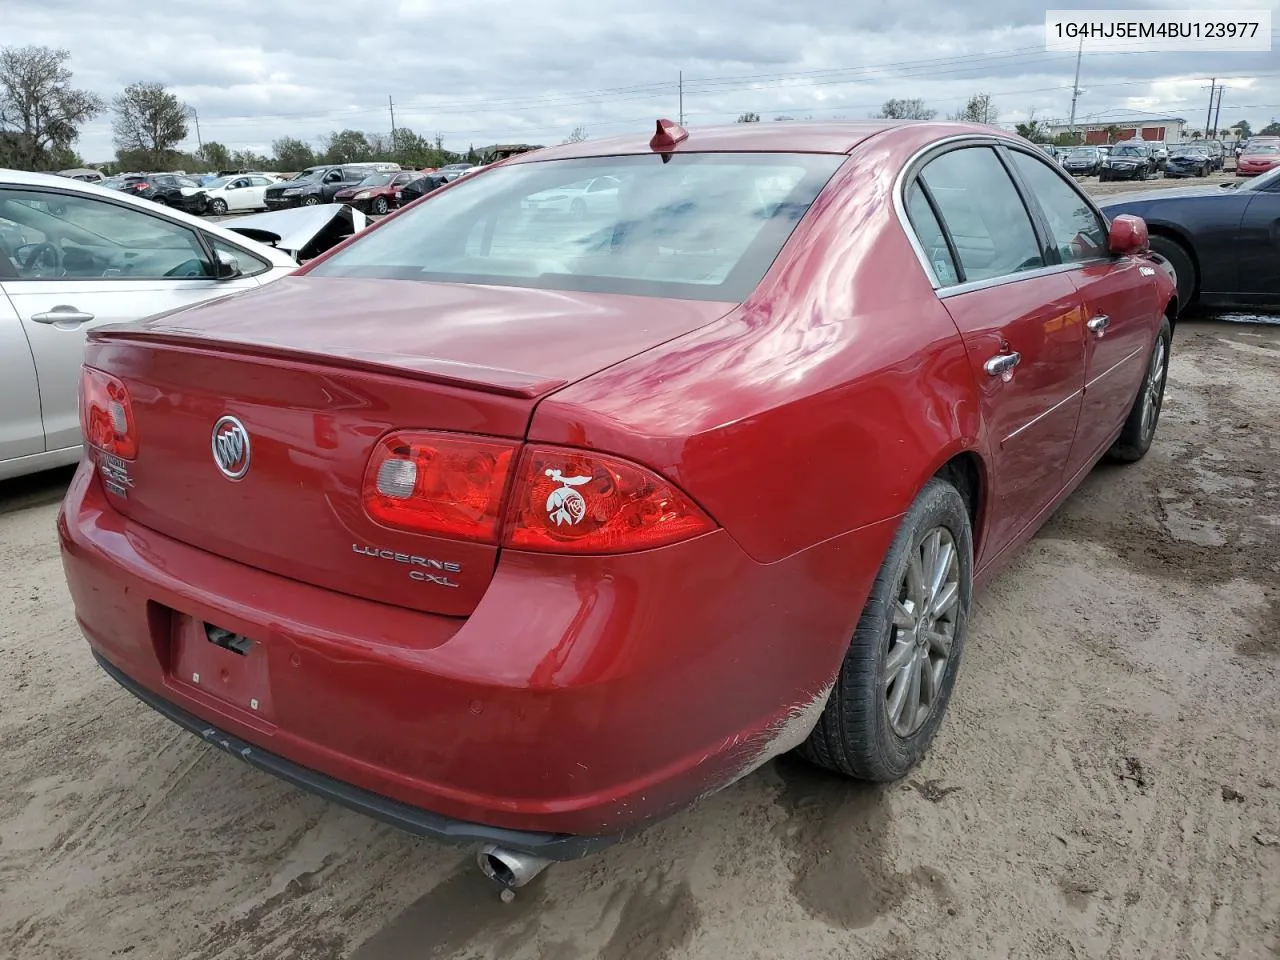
(819, 406)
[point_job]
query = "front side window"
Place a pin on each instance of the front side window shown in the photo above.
(88, 238)
(983, 213)
(701, 226)
(1078, 232)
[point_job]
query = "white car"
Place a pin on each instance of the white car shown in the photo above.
(245, 192)
(595, 195)
(102, 257)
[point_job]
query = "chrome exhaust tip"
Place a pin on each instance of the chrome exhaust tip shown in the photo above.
(509, 868)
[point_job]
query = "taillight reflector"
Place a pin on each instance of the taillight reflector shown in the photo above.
(106, 415)
(571, 501)
(438, 484)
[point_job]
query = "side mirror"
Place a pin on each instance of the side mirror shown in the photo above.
(227, 265)
(1128, 235)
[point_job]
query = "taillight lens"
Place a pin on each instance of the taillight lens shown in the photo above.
(106, 416)
(438, 484)
(571, 501)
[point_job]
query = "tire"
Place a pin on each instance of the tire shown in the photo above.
(1144, 416)
(857, 734)
(1102, 177)
(310, 201)
(217, 206)
(380, 205)
(1184, 266)
(160, 200)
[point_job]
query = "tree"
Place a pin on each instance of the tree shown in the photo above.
(39, 110)
(1113, 133)
(913, 109)
(1033, 129)
(577, 135)
(979, 109)
(1246, 131)
(247, 160)
(1196, 135)
(216, 156)
(293, 154)
(748, 118)
(149, 120)
(347, 146)
(1068, 139)
(1270, 130)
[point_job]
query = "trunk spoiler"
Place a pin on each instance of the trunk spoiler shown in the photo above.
(467, 376)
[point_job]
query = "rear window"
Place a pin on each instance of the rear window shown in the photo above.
(701, 226)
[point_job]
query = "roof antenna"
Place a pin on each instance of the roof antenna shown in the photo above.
(666, 136)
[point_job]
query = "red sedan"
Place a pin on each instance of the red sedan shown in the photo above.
(1259, 157)
(526, 529)
(376, 193)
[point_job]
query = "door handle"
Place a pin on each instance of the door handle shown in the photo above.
(1002, 364)
(62, 314)
(1099, 324)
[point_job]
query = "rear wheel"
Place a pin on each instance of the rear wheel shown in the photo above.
(1140, 427)
(896, 680)
(1184, 268)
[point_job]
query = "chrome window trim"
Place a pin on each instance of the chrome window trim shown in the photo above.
(908, 172)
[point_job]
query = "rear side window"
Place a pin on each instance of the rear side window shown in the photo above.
(932, 240)
(983, 213)
(700, 226)
(1077, 231)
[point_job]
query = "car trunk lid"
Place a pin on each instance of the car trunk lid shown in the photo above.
(317, 371)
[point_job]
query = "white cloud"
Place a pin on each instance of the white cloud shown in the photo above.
(503, 70)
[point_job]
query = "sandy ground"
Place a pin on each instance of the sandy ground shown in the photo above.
(1107, 783)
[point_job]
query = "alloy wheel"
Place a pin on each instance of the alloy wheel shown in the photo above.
(920, 639)
(1153, 389)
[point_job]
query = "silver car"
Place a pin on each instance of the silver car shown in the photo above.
(74, 256)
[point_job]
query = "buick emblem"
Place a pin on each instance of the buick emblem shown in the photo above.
(231, 448)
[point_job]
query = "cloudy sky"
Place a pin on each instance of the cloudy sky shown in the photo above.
(485, 71)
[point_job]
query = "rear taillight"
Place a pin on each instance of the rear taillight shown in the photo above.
(106, 416)
(571, 501)
(561, 500)
(439, 484)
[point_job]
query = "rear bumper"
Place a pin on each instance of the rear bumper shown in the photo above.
(582, 697)
(552, 846)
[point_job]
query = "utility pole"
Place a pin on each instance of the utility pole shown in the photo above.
(682, 98)
(392, 107)
(1208, 118)
(1217, 113)
(1075, 90)
(199, 143)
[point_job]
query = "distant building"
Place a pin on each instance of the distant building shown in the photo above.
(1168, 129)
